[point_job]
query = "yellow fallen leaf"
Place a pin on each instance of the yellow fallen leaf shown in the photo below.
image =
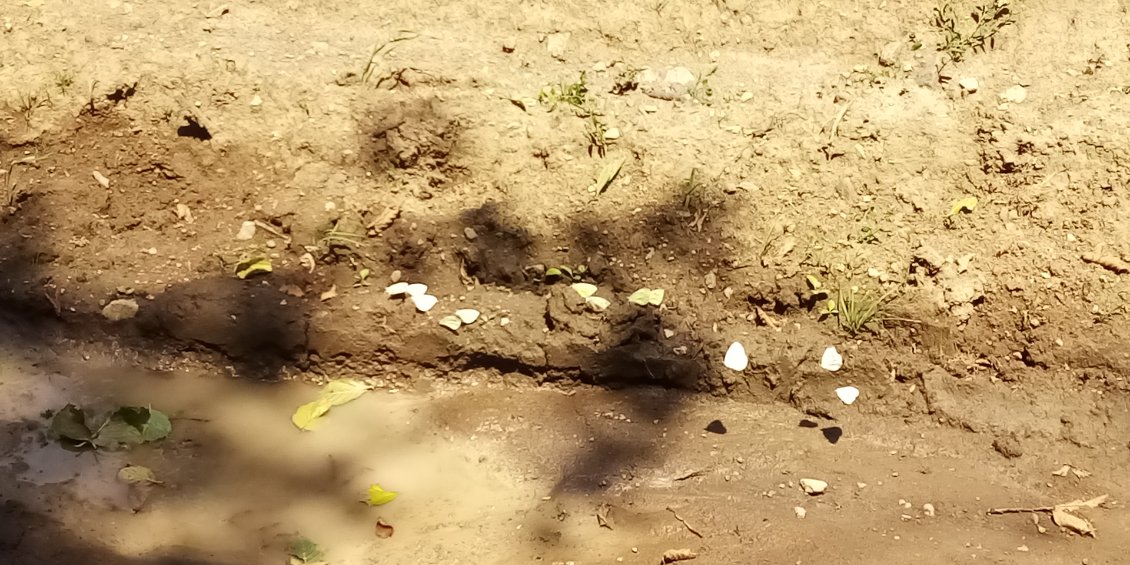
(132, 474)
(967, 204)
(379, 496)
(343, 390)
(333, 394)
(307, 414)
(608, 174)
(253, 266)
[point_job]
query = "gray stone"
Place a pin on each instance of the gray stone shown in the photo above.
(120, 309)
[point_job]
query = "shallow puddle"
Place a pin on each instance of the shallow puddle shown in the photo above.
(239, 477)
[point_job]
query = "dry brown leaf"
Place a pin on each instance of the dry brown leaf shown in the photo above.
(602, 516)
(1068, 469)
(1110, 263)
(1065, 519)
(331, 293)
(292, 290)
(1091, 503)
(383, 530)
(383, 220)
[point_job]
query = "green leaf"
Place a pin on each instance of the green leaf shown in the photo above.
(552, 272)
(333, 394)
(253, 266)
(70, 424)
(157, 427)
(379, 496)
(129, 426)
(305, 550)
(117, 434)
(136, 416)
(135, 474)
(608, 174)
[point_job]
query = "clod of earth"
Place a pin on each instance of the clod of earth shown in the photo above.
(1014, 94)
(101, 178)
(813, 487)
(246, 231)
(120, 309)
(1008, 445)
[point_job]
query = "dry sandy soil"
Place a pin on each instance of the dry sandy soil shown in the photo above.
(763, 149)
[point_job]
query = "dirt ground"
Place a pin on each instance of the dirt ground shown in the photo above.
(973, 199)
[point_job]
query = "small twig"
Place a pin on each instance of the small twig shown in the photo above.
(602, 517)
(690, 475)
(54, 300)
(688, 526)
(835, 130)
(1021, 510)
(271, 230)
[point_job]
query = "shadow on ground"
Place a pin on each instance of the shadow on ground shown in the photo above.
(265, 332)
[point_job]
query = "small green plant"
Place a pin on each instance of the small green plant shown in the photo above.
(28, 102)
(858, 309)
(988, 20)
(382, 49)
(626, 81)
(693, 191)
(701, 90)
(565, 272)
(595, 132)
(338, 237)
(573, 94)
(64, 80)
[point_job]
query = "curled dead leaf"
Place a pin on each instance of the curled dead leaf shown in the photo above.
(383, 530)
(1079, 525)
(675, 555)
